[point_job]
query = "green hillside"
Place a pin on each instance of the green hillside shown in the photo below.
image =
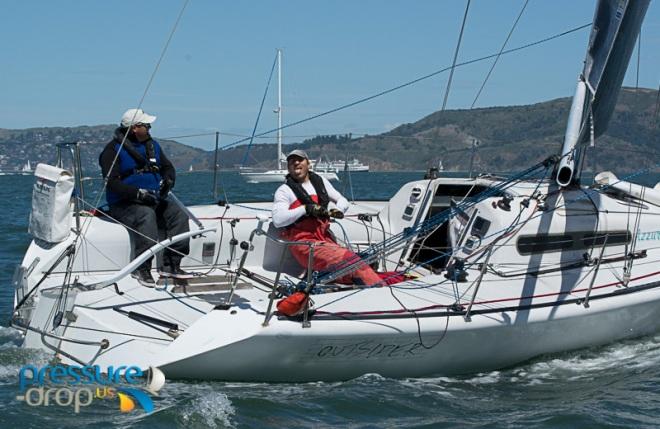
(509, 137)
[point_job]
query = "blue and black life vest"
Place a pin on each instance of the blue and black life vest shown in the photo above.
(139, 166)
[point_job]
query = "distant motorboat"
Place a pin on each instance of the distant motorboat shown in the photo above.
(322, 165)
(354, 166)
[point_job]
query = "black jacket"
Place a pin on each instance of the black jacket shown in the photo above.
(108, 155)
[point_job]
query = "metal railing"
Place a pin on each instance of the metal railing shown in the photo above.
(247, 247)
(308, 276)
(74, 149)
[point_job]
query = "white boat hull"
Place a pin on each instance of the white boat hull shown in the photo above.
(516, 315)
(336, 351)
(524, 269)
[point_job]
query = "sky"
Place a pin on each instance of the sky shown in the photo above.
(84, 62)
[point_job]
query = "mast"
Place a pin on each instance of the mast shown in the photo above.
(279, 109)
(616, 25)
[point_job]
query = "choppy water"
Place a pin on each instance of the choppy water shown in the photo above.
(613, 386)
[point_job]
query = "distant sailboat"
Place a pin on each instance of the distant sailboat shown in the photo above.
(27, 169)
(280, 173)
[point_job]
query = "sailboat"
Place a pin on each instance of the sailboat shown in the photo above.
(516, 268)
(26, 169)
(279, 174)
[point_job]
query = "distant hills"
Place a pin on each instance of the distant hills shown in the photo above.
(509, 137)
(38, 145)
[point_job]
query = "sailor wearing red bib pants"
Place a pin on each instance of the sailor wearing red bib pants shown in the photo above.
(300, 208)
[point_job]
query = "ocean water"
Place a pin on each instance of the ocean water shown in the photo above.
(612, 386)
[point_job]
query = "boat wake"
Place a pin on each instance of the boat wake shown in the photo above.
(205, 407)
(531, 393)
(631, 356)
(626, 357)
(12, 357)
(580, 386)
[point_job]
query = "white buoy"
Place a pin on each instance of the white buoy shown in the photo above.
(155, 380)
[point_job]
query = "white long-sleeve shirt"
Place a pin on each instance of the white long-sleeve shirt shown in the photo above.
(284, 215)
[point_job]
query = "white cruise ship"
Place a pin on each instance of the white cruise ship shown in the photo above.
(354, 166)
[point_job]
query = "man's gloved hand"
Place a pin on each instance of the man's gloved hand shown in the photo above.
(315, 210)
(147, 198)
(336, 213)
(165, 186)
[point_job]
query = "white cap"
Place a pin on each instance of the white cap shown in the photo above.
(136, 116)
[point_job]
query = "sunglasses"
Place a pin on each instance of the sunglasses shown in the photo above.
(147, 126)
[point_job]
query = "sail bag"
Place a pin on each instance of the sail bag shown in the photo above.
(50, 219)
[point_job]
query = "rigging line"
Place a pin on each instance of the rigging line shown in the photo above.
(355, 135)
(639, 53)
(589, 191)
(441, 254)
(412, 82)
(492, 67)
(597, 215)
(505, 232)
(453, 64)
(222, 134)
(144, 94)
(627, 269)
(256, 122)
(396, 242)
(162, 54)
(199, 135)
(87, 223)
(628, 150)
(60, 258)
(657, 109)
(419, 328)
(627, 228)
(62, 299)
(224, 188)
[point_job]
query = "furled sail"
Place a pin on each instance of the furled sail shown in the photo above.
(614, 31)
(613, 35)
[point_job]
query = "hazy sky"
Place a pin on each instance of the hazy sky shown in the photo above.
(84, 62)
